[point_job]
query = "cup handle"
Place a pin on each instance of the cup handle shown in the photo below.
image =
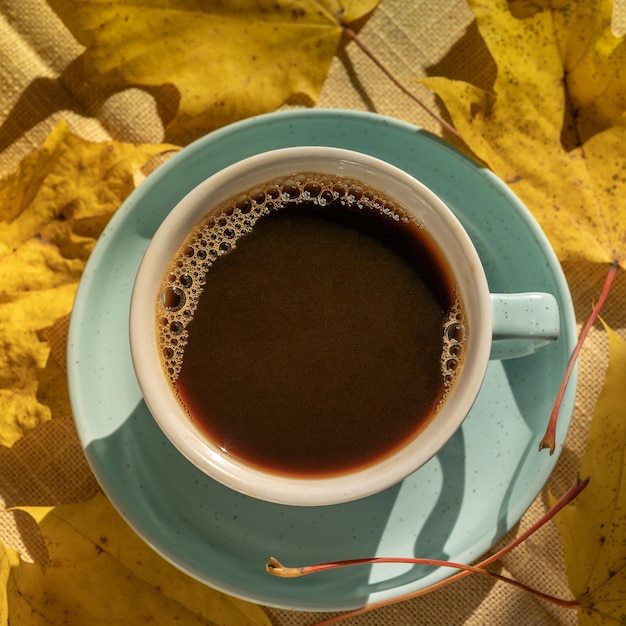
(522, 323)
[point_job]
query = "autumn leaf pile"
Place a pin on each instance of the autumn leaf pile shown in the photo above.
(557, 111)
(52, 210)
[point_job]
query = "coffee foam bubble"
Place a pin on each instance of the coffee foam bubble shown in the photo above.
(218, 233)
(454, 340)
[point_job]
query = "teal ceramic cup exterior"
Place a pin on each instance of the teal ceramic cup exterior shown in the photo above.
(499, 325)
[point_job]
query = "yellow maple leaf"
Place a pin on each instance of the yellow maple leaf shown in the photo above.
(8, 558)
(553, 126)
(228, 60)
(100, 572)
(593, 529)
(52, 209)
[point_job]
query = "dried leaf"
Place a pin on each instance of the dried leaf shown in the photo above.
(593, 529)
(228, 60)
(553, 125)
(100, 573)
(52, 209)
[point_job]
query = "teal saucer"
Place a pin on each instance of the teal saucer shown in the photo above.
(456, 507)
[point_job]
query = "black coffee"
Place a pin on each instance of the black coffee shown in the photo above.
(311, 327)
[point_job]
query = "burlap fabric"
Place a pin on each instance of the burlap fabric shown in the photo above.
(39, 85)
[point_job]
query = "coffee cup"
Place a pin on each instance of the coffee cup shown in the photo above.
(310, 325)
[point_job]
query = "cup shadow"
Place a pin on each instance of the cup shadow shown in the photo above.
(434, 521)
(224, 538)
(534, 389)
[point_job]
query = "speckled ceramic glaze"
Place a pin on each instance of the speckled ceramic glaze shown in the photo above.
(455, 507)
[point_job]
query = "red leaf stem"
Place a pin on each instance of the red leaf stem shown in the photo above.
(350, 34)
(568, 497)
(276, 568)
(549, 438)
